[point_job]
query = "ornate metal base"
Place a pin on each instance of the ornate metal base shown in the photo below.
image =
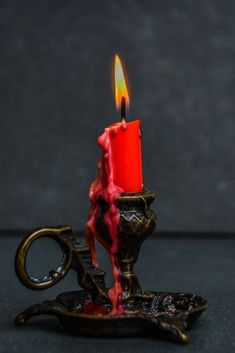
(168, 315)
(87, 311)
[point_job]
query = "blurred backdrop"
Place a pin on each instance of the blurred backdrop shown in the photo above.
(56, 97)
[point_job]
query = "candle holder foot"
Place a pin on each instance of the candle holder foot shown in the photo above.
(88, 311)
(167, 315)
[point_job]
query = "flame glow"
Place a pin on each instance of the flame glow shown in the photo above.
(120, 83)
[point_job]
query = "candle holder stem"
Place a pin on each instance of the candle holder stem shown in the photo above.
(137, 222)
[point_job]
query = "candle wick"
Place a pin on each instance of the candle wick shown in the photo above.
(123, 109)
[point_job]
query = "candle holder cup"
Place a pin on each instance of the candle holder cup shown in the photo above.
(86, 311)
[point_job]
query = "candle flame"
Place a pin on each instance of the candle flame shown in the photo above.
(120, 83)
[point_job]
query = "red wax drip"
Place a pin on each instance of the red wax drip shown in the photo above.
(104, 185)
(92, 308)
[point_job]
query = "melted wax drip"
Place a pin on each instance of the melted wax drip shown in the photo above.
(104, 185)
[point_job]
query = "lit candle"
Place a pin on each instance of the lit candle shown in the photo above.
(125, 139)
(120, 170)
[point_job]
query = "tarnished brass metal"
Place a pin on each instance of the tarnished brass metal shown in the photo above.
(60, 235)
(145, 312)
(167, 315)
(76, 256)
(137, 221)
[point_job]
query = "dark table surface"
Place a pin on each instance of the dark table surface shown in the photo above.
(204, 265)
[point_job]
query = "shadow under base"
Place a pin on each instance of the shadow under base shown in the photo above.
(168, 315)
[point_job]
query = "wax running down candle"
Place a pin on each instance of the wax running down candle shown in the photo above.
(119, 170)
(104, 185)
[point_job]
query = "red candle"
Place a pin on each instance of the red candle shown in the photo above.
(125, 140)
(120, 170)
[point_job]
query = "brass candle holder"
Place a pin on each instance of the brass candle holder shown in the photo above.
(151, 313)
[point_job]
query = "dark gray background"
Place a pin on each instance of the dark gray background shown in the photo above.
(56, 98)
